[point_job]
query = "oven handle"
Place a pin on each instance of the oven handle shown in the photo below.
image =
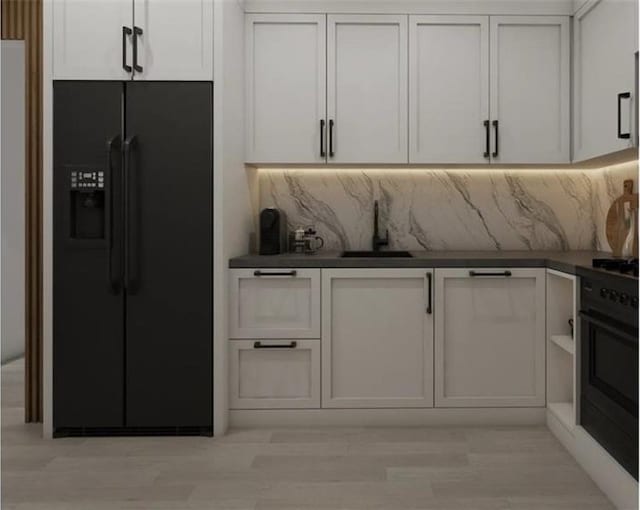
(605, 325)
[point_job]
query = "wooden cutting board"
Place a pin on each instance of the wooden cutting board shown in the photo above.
(622, 214)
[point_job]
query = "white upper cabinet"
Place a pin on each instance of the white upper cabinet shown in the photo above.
(530, 96)
(286, 88)
(176, 42)
(140, 39)
(377, 338)
(88, 39)
(367, 88)
(490, 337)
(448, 89)
(605, 39)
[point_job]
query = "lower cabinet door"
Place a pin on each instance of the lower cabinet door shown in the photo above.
(490, 337)
(274, 374)
(377, 338)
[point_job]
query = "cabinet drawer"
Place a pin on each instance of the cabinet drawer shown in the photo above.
(275, 374)
(275, 303)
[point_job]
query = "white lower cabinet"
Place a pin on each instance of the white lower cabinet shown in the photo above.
(377, 338)
(274, 374)
(490, 337)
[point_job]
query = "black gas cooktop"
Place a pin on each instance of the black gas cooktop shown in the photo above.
(628, 266)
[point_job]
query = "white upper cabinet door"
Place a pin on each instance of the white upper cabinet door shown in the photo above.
(274, 303)
(490, 337)
(176, 42)
(367, 89)
(605, 39)
(448, 89)
(88, 39)
(377, 338)
(530, 99)
(286, 88)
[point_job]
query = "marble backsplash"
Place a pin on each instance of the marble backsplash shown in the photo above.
(453, 209)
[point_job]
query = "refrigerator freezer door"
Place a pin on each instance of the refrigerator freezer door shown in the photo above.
(88, 304)
(169, 254)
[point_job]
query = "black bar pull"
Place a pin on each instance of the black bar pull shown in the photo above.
(429, 288)
(322, 153)
(126, 31)
(495, 125)
(621, 96)
(487, 148)
(113, 219)
(130, 219)
(491, 273)
(275, 273)
(330, 138)
(290, 345)
(137, 31)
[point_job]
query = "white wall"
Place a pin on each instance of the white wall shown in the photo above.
(233, 213)
(12, 185)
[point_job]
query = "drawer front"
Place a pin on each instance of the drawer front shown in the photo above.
(274, 374)
(275, 303)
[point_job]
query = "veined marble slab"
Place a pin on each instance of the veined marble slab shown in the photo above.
(431, 209)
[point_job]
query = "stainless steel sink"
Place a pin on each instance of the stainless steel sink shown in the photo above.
(376, 254)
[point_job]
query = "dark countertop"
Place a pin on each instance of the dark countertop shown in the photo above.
(565, 261)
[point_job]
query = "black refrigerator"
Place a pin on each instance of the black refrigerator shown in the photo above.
(132, 258)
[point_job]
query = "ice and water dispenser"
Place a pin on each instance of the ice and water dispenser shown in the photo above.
(88, 204)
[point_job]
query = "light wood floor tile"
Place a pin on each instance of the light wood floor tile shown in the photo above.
(333, 468)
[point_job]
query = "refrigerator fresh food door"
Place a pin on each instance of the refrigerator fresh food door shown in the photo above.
(168, 254)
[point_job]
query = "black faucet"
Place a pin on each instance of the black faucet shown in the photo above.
(377, 240)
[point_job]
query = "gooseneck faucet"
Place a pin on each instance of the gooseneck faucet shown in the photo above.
(377, 240)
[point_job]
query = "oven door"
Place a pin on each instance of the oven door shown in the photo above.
(609, 387)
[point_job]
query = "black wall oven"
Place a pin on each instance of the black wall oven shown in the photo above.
(609, 365)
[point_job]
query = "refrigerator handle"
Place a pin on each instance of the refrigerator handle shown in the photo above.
(130, 219)
(113, 229)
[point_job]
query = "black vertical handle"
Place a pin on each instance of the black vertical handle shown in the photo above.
(487, 138)
(322, 153)
(137, 31)
(429, 291)
(113, 220)
(621, 96)
(126, 31)
(130, 220)
(330, 138)
(495, 125)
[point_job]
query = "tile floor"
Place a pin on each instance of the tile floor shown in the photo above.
(510, 468)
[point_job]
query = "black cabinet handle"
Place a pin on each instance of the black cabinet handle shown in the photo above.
(260, 345)
(322, 153)
(429, 288)
(276, 273)
(126, 31)
(621, 96)
(137, 31)
(113, 220)
(495, 125)
(331, 138)
(487, 134)
(130, 220)
(494, 273)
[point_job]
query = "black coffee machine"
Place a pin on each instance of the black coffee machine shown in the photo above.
(273, 231)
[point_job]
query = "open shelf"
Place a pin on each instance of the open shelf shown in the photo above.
(564, 342)
(564, 412)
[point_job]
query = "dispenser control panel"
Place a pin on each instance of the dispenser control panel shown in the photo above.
(87, 180)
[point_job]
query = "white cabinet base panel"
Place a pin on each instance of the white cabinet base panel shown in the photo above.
(619, 486)
(386, 417)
